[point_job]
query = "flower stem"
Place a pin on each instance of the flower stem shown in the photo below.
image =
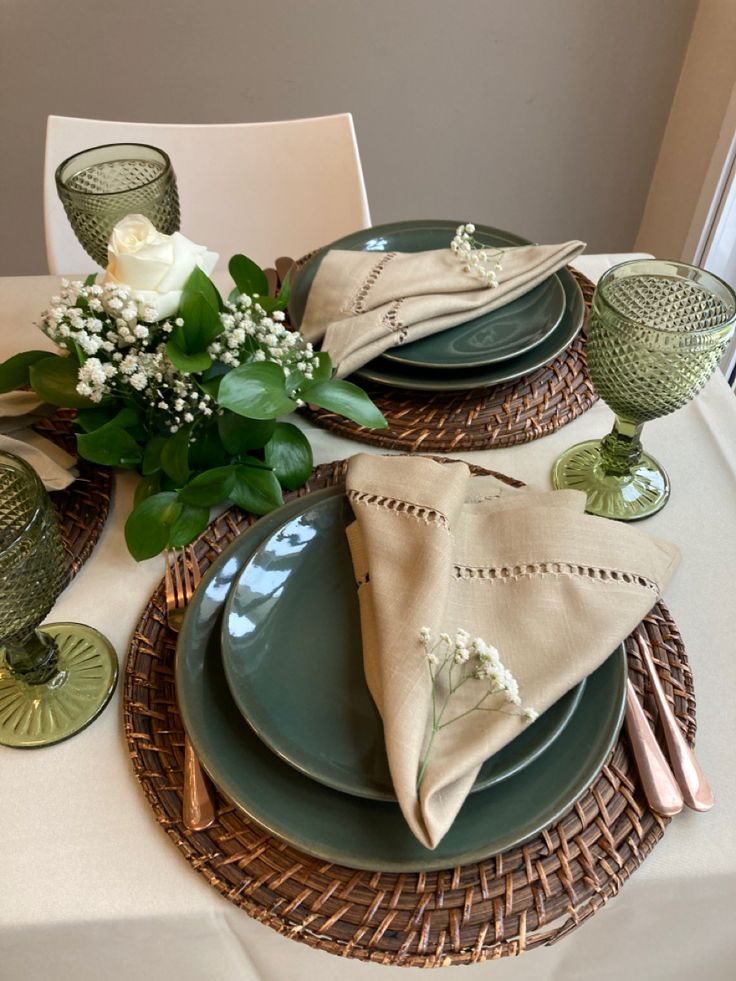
(425, 761)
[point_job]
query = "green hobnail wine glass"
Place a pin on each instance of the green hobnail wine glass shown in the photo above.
(53, 681)
(101, 185)
(657, 332)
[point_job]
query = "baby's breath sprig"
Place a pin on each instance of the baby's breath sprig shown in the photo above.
(468, 659)
(481, 260)
(123, 350)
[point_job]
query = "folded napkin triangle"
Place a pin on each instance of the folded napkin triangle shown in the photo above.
(552, 589)
(362, 303)
(18, 413)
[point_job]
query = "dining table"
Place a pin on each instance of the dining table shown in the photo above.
(91, 888)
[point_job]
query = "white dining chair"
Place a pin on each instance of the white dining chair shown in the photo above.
(263, 189)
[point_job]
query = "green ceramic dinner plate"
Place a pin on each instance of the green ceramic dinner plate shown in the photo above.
(499, 335)
(300, 583)
(495, 336)
(350, 830)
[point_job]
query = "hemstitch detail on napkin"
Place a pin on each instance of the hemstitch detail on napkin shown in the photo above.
(358, 304)
(516, 572)
(430, 516)
(392, 322)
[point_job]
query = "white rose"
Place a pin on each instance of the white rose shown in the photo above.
(154, 265)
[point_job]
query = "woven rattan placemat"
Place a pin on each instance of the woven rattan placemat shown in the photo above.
(83, 507)
(504, 415)
(531, 895)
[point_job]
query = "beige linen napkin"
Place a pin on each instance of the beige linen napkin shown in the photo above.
(362, 303)
(553, 589)
(18, 412)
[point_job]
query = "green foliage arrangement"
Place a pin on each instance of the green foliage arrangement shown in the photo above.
(192, 401)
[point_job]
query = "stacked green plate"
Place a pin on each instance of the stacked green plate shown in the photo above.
(507, 343)
(269, 568)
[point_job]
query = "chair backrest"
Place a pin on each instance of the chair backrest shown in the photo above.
(263, 189)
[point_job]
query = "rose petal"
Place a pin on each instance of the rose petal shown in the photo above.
(132, 232)
(136, 271)
(165, 304)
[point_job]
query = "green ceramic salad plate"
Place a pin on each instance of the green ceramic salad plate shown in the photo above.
(299, 584)
(351, 830)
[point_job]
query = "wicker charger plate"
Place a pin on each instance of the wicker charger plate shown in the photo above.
(504, 415)
(83, 507)
(531, 895)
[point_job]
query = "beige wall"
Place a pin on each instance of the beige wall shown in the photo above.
(695, 144)
(542, 116)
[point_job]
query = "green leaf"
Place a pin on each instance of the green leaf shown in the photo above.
(248, 276)
(55, 380)
(152, 455)
(191, 522)
(239, 434)
(90, 280)
(256, 490)
(284, 291)
(110, 446)
(200, 309)
(127, 418)
(90, 419)
(76, 351)
(145, 487)
(201, 326)
(187, 363)
(253, 461)
(255, 390)
(200, 282)
(211, 386)
(289, 453)
(346, 399)
(209, 488)
(14, 372)
(206, 450)
(268, 304)
(175, 456)
(296, 382)
(149, 523)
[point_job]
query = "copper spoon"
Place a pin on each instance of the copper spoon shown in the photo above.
(660, 787)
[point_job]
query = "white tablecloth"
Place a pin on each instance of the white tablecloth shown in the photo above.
(91, 888)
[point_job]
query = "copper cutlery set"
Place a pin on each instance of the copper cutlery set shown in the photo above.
(667, 786)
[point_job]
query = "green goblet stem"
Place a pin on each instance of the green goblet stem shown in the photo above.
(34, 659)
(621, 450)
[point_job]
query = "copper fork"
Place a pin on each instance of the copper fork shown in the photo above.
(181, 579)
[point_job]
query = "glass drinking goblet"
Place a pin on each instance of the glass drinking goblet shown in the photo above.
(101, 185)
(657, 332)
(55, 681)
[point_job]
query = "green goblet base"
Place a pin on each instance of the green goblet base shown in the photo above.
(79, 688)
(640, 493)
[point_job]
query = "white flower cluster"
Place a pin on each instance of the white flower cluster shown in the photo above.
(123, 349)
(467, 659)
(478, 259)
(250, 334)
(482, 659)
